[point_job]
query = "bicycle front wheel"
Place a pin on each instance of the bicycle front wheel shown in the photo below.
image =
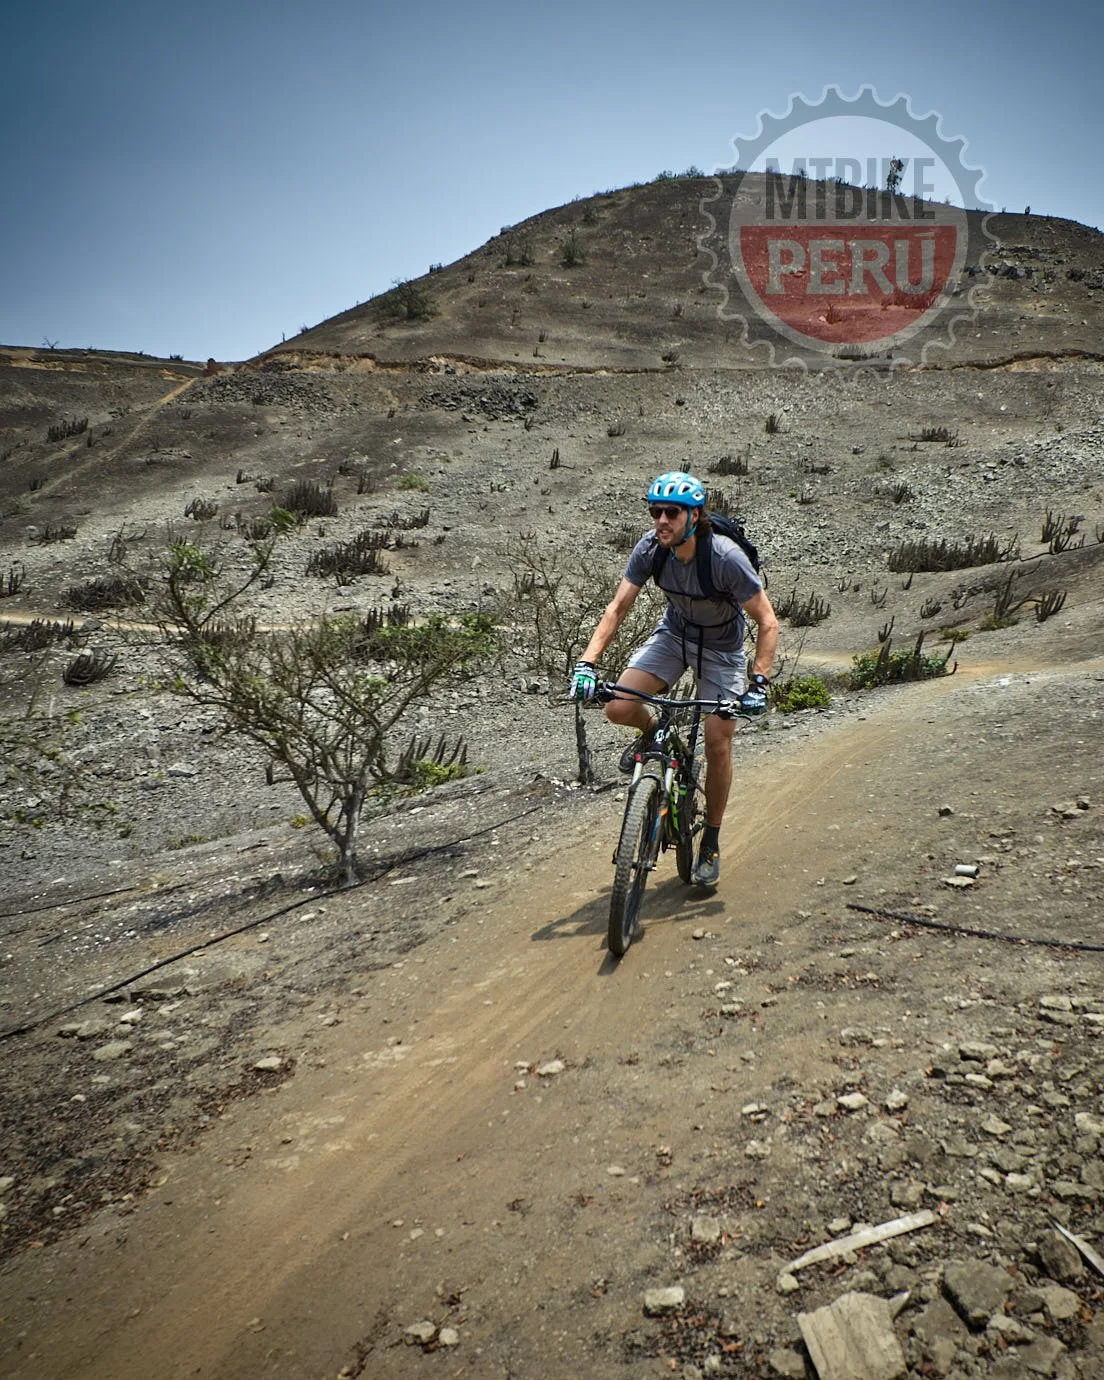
(636, 851)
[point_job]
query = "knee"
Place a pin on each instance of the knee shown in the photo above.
(619, 711)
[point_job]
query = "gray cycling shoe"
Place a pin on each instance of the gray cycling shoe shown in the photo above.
(708, 869)
(641, 743)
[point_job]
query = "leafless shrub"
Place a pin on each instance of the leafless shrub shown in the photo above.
(731, 465)
(617, 428)
(814, 610)
(901, 493)
(12, 583)
(36, 482)
(1049, 603)
(806, 495)
(943, 555)
(89, 667)
(37, 635)
(773, 424)
(111, 591)
(408, 522)
(201, 509)
(308, 499)
(878, 600)
(939, 433)
(670, 357)
(930, 607)
(625, 537)
(265, 484)
(1059, 532)
(886, 628)
(62, 531)
(61, 431)
(361, 556)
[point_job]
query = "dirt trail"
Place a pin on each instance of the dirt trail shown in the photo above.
(402, 1174)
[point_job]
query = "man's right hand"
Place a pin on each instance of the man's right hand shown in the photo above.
(584, 680)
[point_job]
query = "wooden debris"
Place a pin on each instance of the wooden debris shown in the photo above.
(869, 1236)
(853, 1339)
(1083, 1246)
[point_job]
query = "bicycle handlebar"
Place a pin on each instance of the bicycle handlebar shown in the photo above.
(724, 709)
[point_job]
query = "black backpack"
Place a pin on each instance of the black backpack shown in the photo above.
(732, 528)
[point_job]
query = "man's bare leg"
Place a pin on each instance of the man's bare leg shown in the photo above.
(718, 762)
(631, 712)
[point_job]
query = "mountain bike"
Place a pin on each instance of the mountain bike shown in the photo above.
(663, 806)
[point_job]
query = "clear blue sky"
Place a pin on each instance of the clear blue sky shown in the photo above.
(200, 178)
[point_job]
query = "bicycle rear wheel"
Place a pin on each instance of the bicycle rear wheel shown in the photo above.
(636, 851)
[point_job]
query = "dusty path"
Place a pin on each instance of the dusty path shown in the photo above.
(416, 1167)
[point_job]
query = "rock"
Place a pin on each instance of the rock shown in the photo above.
(941, 1333)
(420, 1333)
(660, 1302)
(1088, 1124)
(131, 1017)
(787, 1283)
(1055, 1002)
(977, 1289)
(88, 1030)
(114, 1049)
(1060, 1303)
(787, 1363)
(853, 1102)
(448, 1336)
(897, 1101)
(853, 1339)
(551, 1068)
(994, 1126)
(1060, 1258)
(1019, 1183)
(855, 1035)
(271, 1063)
(945, 811)
(705, 1231)
(6, 1181)
(757, 1150)
(977, 1050)
(959, 883)
(906, 1195)
(1042, 1355)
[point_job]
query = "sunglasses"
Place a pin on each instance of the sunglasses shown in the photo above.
(671, 512)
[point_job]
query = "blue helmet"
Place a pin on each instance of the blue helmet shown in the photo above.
(676, 486)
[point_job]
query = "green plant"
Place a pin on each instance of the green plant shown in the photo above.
(800, 692)
(414, 479)
(406, 301)
(887, 667)
(572, 253)
(519, 252)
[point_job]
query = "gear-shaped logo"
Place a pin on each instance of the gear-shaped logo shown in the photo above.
(857, 261)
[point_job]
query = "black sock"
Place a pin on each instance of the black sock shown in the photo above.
(711, 837)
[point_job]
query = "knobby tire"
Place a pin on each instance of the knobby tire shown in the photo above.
(684, 840)
(636, 851)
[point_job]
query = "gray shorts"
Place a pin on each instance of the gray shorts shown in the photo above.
(666, 656)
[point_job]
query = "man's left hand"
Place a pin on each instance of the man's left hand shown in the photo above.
(754, 698)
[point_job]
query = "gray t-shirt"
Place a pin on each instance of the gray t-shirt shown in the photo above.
(720, 621)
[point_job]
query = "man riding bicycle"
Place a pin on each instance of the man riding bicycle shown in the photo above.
(702, 633)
